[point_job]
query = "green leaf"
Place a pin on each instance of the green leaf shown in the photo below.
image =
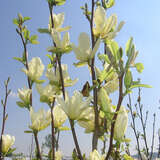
(80, 64)
(18, 59)
(104, 57)
(114, 48)
(26, 19)
(50, 65)
(20, 104)
(110, 3)
(128, 79)
(141, 85)
(60, 2)
(39, 81)
(11, 150)
(33, 37)
(64, 128)
(129, 46)
(139, 67)
(26, 34)
(43, 30)
(29, 131)
(15, 21)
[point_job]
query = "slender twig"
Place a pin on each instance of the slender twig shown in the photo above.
(120, 99)
(37, 146)
(133, 126)
(75, 139)
(154, 121)
(142, 122)
(4, 104)
(26, 59)
(52, 131)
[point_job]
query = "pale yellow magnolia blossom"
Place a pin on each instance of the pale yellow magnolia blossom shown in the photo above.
(112, 85)
(58, 22)
(7, 142)
(40, 120)
(105, 27)
(88, 122)
(96, 156)
(59, 116)
(58, 155)
(47, 93)
(121, 124)
(54, 76)
(84, 52)
(35, 69)
(62, 45)
(74, 106)
(104, 101)
(24, 94)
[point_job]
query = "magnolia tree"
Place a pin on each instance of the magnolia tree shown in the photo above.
(90, 108)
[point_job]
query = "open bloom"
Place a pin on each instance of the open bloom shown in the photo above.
(87, 121)
(35, 69)
(121, 124)
(105, 27)
(96, 156)
(47, 93)
(62, 45)
(54, 77)
(7, 142)
(59, 116)
(40, 120)
(84, 52)
(24, 94)
(74, 106)
(58, 22)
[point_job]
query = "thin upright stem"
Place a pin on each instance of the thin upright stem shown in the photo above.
(53, 131)
(115, 116)
(37, 146)
(4, 115)
(134, 126)
(26, 60)
(75, 139)
(142, 122)
(153, 133)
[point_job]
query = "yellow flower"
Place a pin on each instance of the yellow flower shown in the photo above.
(58, 22)
(121, 124)
(59, 116)
(74, 106)
(105, 27)
(84, 52)
(7, 142)
(35, 69)
(88, 122)
(40, 120)
(24, 94)
(62, 45)
(104, 101)
(47, 93)
(58, 155)
(54, 77)
(96, 156)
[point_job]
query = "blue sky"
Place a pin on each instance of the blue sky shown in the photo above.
(142, 22)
